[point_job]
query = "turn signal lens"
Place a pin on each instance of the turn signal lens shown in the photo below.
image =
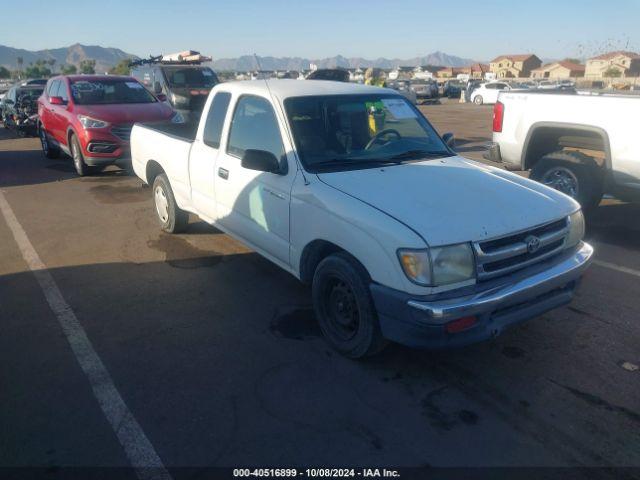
(460, 325)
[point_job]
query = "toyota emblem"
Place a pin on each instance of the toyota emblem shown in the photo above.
(533, 243)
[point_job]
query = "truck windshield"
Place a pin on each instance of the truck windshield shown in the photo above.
(190, 77)
(109, 91)
(360, 130)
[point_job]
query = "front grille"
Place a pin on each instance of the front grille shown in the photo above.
(504, 255)
(123, 132)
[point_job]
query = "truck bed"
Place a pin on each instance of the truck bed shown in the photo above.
(182, 131)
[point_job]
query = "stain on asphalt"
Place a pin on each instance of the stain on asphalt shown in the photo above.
(513, 352)
(444, 421)
(364, 432)
(295, 323)
(111, 194)
(468, 417)
(181, 254)
(596, 401)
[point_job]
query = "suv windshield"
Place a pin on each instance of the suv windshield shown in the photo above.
(109, 91)
(359, 131)
(190, 77)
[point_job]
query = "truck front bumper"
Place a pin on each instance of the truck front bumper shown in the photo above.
(422, 322)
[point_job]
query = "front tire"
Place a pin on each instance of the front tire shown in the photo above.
(572, 173)
(478, 100)
(172, 219)
(82, 169)
(343, 305)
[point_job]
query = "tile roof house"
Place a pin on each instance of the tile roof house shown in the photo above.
(626, 64)
(514, 66)
(559, 70)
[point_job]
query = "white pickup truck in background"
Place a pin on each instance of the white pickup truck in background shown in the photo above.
(351, 190)
(582, 145)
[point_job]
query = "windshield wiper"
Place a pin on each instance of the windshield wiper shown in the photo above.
(339, 162)
(419, 154)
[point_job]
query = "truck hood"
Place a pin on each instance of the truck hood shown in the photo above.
(127, 113)
(454, 200)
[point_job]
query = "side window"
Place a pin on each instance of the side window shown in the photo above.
(490, 86)
(53, 88)
(62, 91)
(215, 119)
(254, 126)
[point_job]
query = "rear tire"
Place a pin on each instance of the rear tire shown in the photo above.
(48, 150)
(572, 173)
(172, 219)
(344, 308)
(478, 100)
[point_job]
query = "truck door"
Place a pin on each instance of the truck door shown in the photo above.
(202, 159)
(251, 204)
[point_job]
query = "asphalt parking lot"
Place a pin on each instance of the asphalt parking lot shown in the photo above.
(216, 353)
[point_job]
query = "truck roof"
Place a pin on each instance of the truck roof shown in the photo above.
(286, 88)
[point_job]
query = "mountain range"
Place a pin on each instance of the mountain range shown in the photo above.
(248, 62)
(108, 57)
(105, 57)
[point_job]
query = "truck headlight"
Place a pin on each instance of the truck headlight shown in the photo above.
(88, 122)
(439, 266)
(576, 229)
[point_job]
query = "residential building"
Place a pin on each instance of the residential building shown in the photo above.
(559, 70)
(514, 66)
(613, 64)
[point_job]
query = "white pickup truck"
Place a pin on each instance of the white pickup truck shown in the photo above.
(582, 145)
(350, 189)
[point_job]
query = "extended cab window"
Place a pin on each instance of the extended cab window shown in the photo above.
(52, 91)
(215, 119)
(254, 126)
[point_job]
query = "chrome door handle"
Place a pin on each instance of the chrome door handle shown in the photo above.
(223, 173)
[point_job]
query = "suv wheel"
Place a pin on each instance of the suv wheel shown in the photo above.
(572, 173)
(344, 307)
(172, 219)
(49, 150)
(78, 159)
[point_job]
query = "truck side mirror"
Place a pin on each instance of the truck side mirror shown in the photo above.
(57, 101)
(449, 139)
(260, 160)
(157, 88)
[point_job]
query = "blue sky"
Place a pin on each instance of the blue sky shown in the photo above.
(314, 29)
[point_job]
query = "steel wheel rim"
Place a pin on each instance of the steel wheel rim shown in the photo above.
(563, 180)
(342, 310)
(162, 204)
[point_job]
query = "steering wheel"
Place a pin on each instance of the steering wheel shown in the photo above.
(376, 138)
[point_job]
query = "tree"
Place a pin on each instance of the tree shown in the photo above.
(19, 61)
(4, 72)
(122, 68)
(68, 69)
(612, 72)
(37, 70)
(51, 62)
(88, 66)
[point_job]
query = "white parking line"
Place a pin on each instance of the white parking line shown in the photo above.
(135, 443)
(618, 268)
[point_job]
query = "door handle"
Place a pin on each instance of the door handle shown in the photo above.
(274, 194)
(223, 173)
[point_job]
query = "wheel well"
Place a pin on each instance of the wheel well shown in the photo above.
(312, 255)
(153, 170)
(549, 139)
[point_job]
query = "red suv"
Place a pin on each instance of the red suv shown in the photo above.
(89, 117)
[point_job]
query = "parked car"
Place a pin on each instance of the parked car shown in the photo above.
(183, 85)
(332, 74)
(581, 145)
(404, 88)
(19, 109)
(471, 86)
(351, 190)
(425, 90)
(453, 89)
(90, 117)
(488, 92)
